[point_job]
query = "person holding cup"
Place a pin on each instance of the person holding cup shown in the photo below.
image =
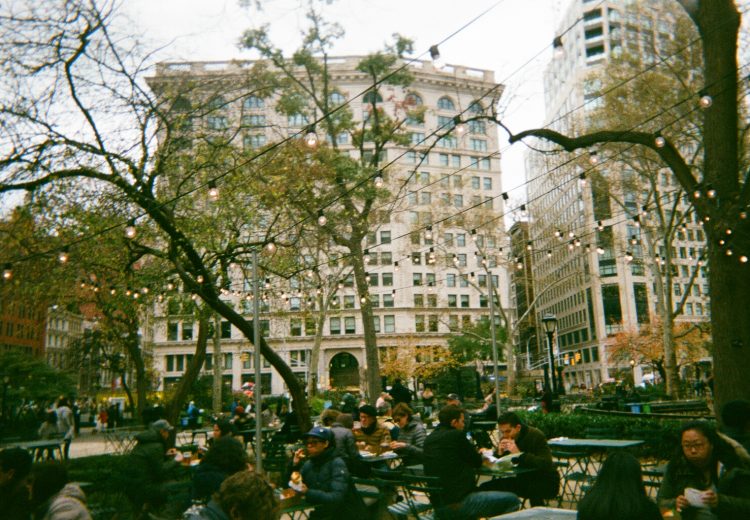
(371, 436)
(709, 478)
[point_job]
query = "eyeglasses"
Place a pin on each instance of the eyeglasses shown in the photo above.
(693, 445)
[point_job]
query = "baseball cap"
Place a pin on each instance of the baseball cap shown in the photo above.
(368, 409)
(452, 397)
(161, 424)
(320, 433)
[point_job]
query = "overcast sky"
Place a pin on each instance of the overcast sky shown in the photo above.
(507, 40)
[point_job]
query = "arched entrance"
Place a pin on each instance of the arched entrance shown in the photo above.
(343, 370)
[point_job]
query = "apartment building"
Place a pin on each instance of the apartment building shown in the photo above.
(427, 272)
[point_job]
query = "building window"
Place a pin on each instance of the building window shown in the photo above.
(389, 323)
(217, 122)
(475, 183)
(335, 326)
(387, 279)
(450, 280)
(253, 102)
(254, 141)
(445, 103)
(254, 120)
(297, 120)
(464, 300)
(432, 323)
(419, 323)
(349, 325)
(187, 330)
(419, 300)
(452, 300)
(295, 327)
(385, 237)
(387, 300)
(172, 328)
(478, 145)
(376, 323)
(416, 278)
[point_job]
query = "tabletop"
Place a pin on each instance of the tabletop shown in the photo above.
(565, 442)
(492, 471)
(540, 513)
(383, 457)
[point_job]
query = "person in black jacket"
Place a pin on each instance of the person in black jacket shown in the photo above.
(325, 480)
(400, 393)
(534, 453)
(226, 457)
(450, 456)
(618, 493)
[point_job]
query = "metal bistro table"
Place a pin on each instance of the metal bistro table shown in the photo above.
(119, 440)
(540, 513)
(39, 446)
(580, 460)
(389, 458)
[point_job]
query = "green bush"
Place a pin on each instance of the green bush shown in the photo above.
(661, 436)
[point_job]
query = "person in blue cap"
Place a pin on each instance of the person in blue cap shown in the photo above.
(325, 480)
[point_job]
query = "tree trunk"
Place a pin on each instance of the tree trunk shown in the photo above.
(312, 381)
(718, 23)
(218, 367)
(173, 407)
(374, 383)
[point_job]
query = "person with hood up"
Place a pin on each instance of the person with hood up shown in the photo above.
(53, 497)
(325, 480)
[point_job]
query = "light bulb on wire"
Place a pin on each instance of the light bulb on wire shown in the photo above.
(130, 231)
(705, 100)
(63, 255)
(322, 219)
(311, 138)
(7, 272)
(378, 181)
(213, 191)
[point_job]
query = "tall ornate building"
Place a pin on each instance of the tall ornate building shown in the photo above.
(427, 272)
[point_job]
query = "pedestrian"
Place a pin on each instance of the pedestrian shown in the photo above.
(400, 393)
(65, 424)
(48, 430)
(428, 400)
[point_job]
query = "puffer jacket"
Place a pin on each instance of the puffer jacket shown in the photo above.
(413, 434)
(330, 487)
(68, 504)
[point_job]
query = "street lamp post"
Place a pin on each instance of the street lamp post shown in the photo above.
(632, 371)
(491, 291)
(256, 353)
(549, 321)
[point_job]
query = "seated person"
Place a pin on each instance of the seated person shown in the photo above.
(15, 466)
(53, 496)
(411, 435)
(715, 468)
(370, 436)
(531, 444)
(152, 465)
(450, 456)
(223, 427)
(323, 478)
(226, 457)
(243, 496)
(618, 492)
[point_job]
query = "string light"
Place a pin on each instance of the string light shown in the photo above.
(311, 138)
(130, 231)
(600, 250)
(378, 181)
(582, 179)
(557, 46)
(395, 266)
(711, 193)
(705, 100)
(428, 233)
(659, 141)
(529, 246)
(437, 61)
(600, 225)
(549, 253)
(267, 283)
(7, 272)
(459, 126)
(743, 259)
(213, 191)
(628, 256)
(63, 255)
(594, 157)
(199, 278)
(271, 246)
(322, 220)
(170, 286)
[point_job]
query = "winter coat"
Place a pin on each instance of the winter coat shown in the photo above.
(379, 435)
(68, 504)
(330, 488)
(400, 394)
(414, 435)
(149, 467)
(732, 481)
(536, 454)
(450, 456)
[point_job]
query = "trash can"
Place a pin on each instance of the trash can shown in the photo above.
(635, 407)
(646, 408)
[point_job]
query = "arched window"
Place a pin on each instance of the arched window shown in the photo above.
(371, 96)
(337, 98)
(413, 100)
(446, 103)
(216, 103)
(476, 107)
(252, 102)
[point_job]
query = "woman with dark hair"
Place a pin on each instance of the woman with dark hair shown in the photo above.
(708, 478)
(618, 493)
(411, 435)
(225, 457)
(53, 497)
(223, 427)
